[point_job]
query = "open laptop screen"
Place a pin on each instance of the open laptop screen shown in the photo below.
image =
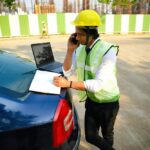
(42, 53)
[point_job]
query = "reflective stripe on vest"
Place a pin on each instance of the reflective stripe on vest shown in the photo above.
(87, 67)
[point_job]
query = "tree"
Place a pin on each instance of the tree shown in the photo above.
(108, 6)
(123, 4)
(119, 2)
(1, 4)
(10, 4)
(104, 1)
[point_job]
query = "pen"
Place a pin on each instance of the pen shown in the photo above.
(62, 76)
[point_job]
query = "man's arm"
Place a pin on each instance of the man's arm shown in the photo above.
(64, 83)
(93, 85)
(68, 60)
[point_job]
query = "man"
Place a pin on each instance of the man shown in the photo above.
(95, 64)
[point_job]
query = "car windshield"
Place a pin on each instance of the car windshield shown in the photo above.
(16, 73)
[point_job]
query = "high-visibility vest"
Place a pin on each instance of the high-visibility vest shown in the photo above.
(86, 67)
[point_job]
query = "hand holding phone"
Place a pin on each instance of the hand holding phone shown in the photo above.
(73, 43)
(73, 38)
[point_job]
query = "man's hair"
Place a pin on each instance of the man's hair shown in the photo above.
(91, 32)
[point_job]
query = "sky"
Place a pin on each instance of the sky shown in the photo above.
(59, 4)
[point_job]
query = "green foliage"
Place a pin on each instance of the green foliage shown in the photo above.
(119, 2)
(104, 1)
(9, 3)
(124, 2)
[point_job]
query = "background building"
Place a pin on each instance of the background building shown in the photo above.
(52, 6)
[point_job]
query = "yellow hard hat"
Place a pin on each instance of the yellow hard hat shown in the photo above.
(87, 18)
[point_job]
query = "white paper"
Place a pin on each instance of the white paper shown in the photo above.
(43, 82)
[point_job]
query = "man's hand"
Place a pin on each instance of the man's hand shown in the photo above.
(61, 82)
(71, 45)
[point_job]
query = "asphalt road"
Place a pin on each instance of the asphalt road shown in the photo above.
(132, 128)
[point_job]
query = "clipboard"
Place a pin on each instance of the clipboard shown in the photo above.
(43, 82)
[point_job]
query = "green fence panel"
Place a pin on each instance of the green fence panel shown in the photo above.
(5, 28)
(146, 23)
(132, 23)
(117, 23)
(24, 25)
(102, 28)
(61, 26)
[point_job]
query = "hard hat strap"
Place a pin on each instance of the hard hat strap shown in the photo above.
(87, 40)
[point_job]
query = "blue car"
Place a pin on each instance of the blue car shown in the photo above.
(32, 120)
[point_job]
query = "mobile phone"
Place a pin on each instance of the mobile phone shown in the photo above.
(73, 38)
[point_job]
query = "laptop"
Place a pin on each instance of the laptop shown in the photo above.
(44, 57)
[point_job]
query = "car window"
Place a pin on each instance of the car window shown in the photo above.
(16, 73)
